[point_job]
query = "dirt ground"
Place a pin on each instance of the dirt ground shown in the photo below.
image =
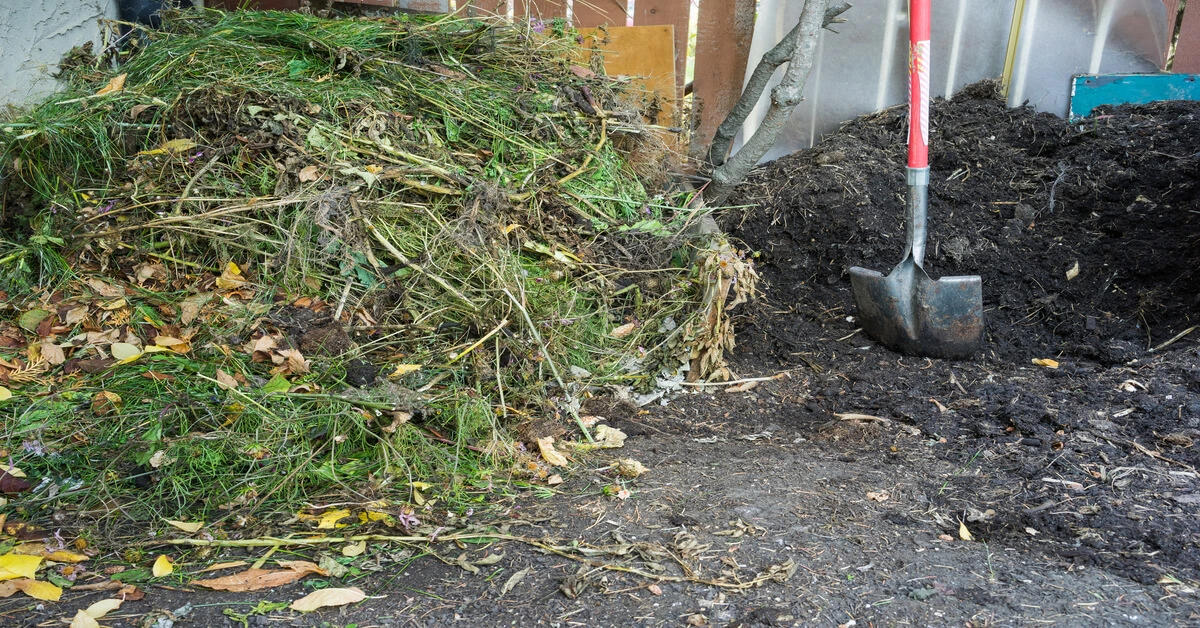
(1077, 484)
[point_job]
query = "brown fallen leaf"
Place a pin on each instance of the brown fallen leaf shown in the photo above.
(226, 381)
(190, 307)
(11, 484)
(52, 353)
(309, 173)
(258, 579)
(115, 84)
(105, 289)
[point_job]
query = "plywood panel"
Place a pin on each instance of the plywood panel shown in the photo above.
(487, 7)
(722, 49)
(644, 51)
(593, 13)
(674, 12)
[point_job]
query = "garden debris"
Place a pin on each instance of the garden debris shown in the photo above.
(209, 244)
(328, 597)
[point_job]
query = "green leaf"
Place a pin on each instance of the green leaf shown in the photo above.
(30, 320)
(132, 575)
(278, 384)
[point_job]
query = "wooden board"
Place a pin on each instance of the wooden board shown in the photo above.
(541, 9)
(647, 52)
(593, 13)
(674, 12)
(722, 50)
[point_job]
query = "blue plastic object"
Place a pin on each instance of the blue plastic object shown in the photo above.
(1089, 91)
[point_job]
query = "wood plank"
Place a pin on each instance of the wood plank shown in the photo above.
(593, 13)
(643, 51)
(541, 9)
(674, 12)
(1187, 56)
(725, 28)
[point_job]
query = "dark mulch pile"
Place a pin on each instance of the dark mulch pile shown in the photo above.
(1019, 198)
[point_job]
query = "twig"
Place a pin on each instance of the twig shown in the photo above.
(187, 189)
(571, 401)
(475, 345)
(417, 267)
(746, 380)
(1175, 339)
(853, 416)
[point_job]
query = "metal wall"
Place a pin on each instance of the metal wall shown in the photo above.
(863, 67)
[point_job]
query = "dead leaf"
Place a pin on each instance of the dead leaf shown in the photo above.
(11, 483)
(257, 579)
(103, 607)
(124, 350)
(115, 304)
(1046, 362)
(191, 527)
(220, 566)
(513, 580)
(105, 289)
(655, 589)
(581, 71)
(137, 110)
(189, 308)
(13, 566)
(83, 620)
(309, 173)
(226, 381)
(623, 330)
(231, 278)
(106, 403)
(5, 394)
(328, 597)
(964, 533)
(52, 353)
(162, 566)
(1073, 271)
(742, 387)
(39, 590)
(549, 453)
(115, 84)
(404, 369)
(327, 520)
(354, 549)
(630, 468)
(554, 480)
(75, 315)
(58, 556)
(878, 496)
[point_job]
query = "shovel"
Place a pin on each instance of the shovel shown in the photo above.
(907, 310)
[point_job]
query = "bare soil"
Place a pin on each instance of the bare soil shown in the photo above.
(1077, 484)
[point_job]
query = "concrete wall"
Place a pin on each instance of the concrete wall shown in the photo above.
(34, 35)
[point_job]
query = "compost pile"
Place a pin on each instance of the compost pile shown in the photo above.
(1087, 237)
(268, 255)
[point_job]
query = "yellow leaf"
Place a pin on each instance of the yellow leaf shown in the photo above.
(124, 350)
(354, 549)
(5, 394)
(552, 456)
(327, 520)
(115, 84)
(83, 620)
(177, 146)
(404, 369)
(191, 527)
(18, 566)
(964, 533)
(16, 472)
(373, 169)
(115, 304)
(420, 486)
(57, 556)
(231, 278)
(103, 607)
(167, 341)
(510, 227)
(162, 566)
(328, 597)
(1046, 362)
(39, 590)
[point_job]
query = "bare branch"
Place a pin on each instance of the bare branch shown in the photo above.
(775, 57)
(784, 99)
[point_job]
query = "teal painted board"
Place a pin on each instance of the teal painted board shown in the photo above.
(1089, 91)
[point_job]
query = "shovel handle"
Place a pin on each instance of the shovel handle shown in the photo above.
(918, 84)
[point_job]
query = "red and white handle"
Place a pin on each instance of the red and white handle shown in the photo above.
(918, 84)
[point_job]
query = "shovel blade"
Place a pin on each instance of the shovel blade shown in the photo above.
(916, 315)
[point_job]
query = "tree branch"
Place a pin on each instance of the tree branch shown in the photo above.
(775, 57)
(784, 99)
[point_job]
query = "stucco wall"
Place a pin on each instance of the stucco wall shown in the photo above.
(34, 35)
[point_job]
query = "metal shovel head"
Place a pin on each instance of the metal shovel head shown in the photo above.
(913, 314)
